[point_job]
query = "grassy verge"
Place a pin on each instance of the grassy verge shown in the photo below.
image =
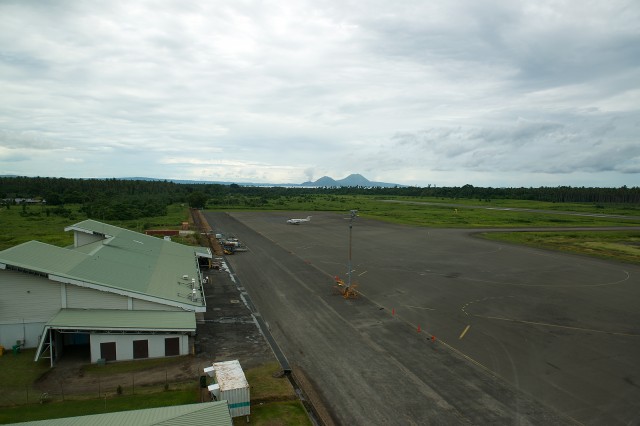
(481, 214)
(273, 400)
(264, 386)
(280, 413)
(445, 216)
(17, 375)
(612, 245)
(601, 208)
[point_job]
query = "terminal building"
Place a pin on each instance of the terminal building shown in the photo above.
(116, 294)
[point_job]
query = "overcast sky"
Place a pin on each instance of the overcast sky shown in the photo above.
(489, 93)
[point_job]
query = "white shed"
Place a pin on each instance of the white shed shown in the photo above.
(231, 385)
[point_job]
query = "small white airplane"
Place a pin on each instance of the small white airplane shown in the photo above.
(298, 221)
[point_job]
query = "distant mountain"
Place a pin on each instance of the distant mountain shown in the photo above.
(351, 180)
(323, 182)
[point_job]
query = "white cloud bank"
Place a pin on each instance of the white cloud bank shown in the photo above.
(495, 93)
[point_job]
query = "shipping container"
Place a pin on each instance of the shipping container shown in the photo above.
(230, 385)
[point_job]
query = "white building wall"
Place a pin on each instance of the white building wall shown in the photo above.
(29, 332)
(124, 344)
(27, 302)
(144, 305)
(82, 238)
(27, 296)
(88, 298)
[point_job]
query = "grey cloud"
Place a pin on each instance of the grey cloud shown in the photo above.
(24, 140)
(554, 147)
(13, 157)
(304, 89)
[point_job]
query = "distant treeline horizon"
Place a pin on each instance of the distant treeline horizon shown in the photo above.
(72, 190)
(126, 199)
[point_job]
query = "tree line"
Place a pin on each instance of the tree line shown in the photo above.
(122, 199)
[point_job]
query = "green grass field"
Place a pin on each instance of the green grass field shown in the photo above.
(613, 245)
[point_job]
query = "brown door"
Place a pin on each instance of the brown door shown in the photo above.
(140, 349)
(108, 351)
(171, 346)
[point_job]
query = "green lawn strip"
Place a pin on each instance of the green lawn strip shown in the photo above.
(280, 413)
(273, 400)
(264, 386)
(619, 245)
(599, 208)
(17, 374)
(448, 217)
(73, 408)
(19, 370)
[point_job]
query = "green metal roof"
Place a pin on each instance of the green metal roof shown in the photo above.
(207, 413)
(121, 261)
(113, 319)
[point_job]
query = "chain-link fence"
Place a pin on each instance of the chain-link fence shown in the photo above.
(120, 385)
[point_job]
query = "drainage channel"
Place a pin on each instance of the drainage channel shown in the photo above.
(282, 359)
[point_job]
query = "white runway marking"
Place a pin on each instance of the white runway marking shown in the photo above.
(420, 307)
(568, 327)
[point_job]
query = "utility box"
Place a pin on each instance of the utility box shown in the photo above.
(231, 385)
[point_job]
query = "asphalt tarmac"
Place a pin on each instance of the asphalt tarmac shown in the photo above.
(522, 336)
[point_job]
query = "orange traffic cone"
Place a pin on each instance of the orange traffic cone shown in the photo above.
(419, 330)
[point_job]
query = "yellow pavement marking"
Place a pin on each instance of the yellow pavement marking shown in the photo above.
(464, 331)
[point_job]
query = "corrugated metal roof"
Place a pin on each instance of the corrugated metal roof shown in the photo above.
(207, 413)
(229, 375)
(125, 261)
(121, 319)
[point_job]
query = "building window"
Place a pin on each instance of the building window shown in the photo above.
(140, 349)
(171, 346)
(108, 351)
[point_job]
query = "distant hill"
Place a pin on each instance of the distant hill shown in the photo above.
(351, 180)
(325, 181)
